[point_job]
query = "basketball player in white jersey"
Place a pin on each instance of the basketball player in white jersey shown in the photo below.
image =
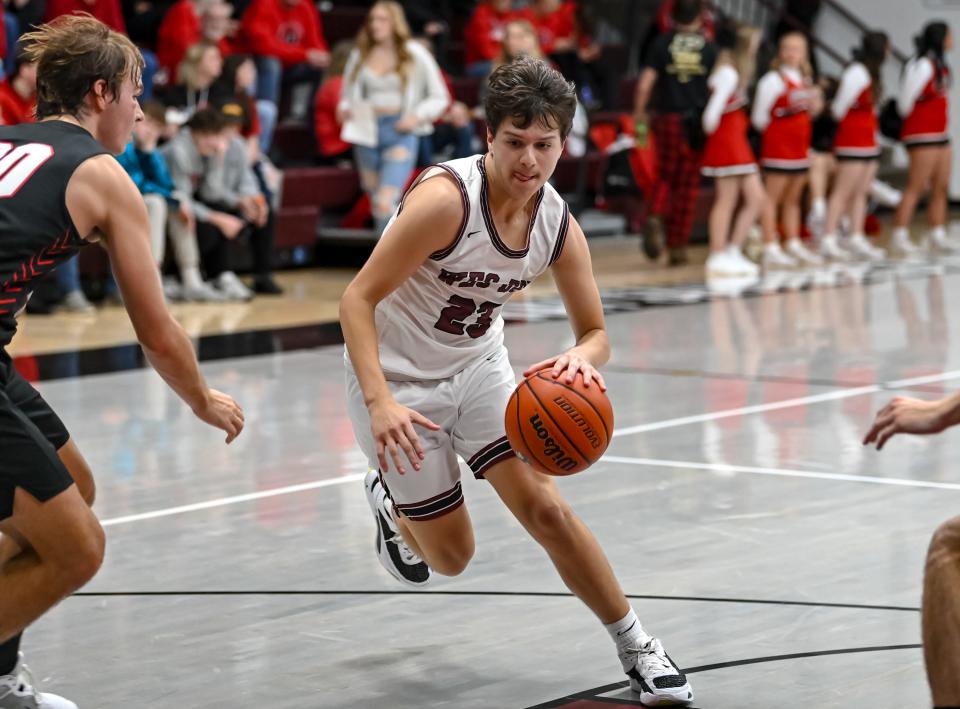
(428, 376)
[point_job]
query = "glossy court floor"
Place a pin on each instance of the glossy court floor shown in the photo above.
(778, 559)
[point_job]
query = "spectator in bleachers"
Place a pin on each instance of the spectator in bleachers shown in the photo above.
(674, 83)
(200, 68)
(237, 83)
(392, 93)
(18, 93)
(286, 37)
(189, 156)
(331, 148)
(783, 105)
(855, 146)
(485, 32)
(232, 187)
(562, 27)
(923, 101)
(665, 22)
(148, 169)
(519, 40)
(453, 132)
(427, 22)
(188, 22)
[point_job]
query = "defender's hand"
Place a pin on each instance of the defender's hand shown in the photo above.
(221, 411)
(906, 415)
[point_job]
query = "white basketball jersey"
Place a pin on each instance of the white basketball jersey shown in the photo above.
(448, 313)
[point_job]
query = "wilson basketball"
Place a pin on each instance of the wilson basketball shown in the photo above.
(558, 428)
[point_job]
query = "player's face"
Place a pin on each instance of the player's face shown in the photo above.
(120, 115)
(524, 158)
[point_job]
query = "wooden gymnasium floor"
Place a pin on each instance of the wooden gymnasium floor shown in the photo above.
(778, 559)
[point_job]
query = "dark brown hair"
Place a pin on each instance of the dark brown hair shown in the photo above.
(207, 120)
(526, 91)
(155, 111)
(72, 53)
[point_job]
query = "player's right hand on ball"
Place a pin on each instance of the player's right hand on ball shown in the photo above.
(392, 427)
(221, 411)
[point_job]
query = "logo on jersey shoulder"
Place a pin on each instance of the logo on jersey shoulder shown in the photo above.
(551, 449)
(480, 279)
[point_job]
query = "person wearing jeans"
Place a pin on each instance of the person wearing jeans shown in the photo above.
(392, 93)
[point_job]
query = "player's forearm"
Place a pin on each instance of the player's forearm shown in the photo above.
(594, 346)
(951, 406)
(171, 354)
(358, 322)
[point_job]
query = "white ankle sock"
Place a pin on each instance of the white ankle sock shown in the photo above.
(900, 233)
(938, 232)
(627, 632)
(819, 207)
(191, 277)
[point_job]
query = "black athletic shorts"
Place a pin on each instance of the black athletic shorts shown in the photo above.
(30, 436)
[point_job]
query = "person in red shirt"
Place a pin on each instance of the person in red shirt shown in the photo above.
(107, 11)
(483, 35)
(563, 38)
(286, 37)
(331, 148)
(18, 94)
(185, 24)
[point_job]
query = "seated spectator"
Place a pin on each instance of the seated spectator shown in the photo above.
(18, 93)
(148, 169)
(236, 84)
(286, 38)
(187, 23)
(453, 132)
(564, 38)
(200, 68)
(427, 22)
(209, 167)
(331, 148)
(392, 93)
(484, 34)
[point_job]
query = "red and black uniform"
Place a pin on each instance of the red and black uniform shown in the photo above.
(854, 110)
(728, 150)
(786, 124)
(926, 123)
(36, 234)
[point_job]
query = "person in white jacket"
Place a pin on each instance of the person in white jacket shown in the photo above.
(392, 93)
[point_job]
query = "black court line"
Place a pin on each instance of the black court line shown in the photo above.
(517, 594)
(591, 694)
(766, 378)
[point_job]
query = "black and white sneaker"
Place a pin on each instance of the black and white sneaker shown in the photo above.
(656, 678)
(394, 554)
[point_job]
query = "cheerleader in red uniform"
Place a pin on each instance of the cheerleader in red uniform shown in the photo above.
(923, 104)
(782, 106)
(856, 150)
(728, 158)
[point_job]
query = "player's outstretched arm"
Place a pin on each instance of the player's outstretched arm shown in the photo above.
(102, 198)
(573, 274)
(430, 220)
(916, 416)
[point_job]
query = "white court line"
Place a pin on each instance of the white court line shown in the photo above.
(628, 431)
(220, 502)
(779, 472)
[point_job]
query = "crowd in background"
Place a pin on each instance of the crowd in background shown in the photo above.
(781, 142)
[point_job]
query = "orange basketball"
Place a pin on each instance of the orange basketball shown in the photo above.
(558, 428)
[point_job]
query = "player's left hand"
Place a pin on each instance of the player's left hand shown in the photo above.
(566, 366)
(906, 415)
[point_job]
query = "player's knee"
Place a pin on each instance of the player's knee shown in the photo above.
(452, 559)
(550, 519)
(85, 558)
(945, 541)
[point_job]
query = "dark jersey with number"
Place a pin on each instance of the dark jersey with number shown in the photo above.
(36, 231)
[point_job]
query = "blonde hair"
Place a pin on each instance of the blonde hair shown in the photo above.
(401, 35)
(528, 27)
(805, 67)
(72, 53)
(743, 55)
(187, 68)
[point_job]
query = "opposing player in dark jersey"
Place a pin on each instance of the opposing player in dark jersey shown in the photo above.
(60, 189)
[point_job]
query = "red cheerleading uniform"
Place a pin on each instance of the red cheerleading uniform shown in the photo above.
(728, 151)
(856, 137)
(927, 122)
(785, 144)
